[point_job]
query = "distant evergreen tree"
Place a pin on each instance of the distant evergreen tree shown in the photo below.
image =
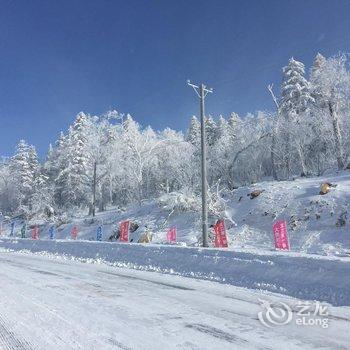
(234, 123)
(194, 132)
(24, 167)
(210, 130)
(222, 128)
(295, 99)
(295, 90)
(73, 181)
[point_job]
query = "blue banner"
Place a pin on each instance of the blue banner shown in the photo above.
(99, 234)
(52, 232)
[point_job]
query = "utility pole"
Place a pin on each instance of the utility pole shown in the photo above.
(202, 92)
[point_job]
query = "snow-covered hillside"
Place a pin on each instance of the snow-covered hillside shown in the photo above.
(312, 218)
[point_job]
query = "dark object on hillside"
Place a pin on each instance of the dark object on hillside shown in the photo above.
(114, 237)
(133, 226)
(342, 219)
(255, 193)
(240, 198)
(146, 237)
(116, 234)
(326, 187)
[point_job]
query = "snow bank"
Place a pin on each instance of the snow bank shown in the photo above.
(298, 275)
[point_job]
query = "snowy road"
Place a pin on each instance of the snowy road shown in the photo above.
(51, 303)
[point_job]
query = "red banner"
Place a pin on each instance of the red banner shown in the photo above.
(35, 232)
(74, 232)
(220, 234)
(171, 235)
(280, 235)
(124, 231)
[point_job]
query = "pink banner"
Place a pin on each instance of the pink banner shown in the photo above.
(35, 232)
(220, 234)
(74, 232)
(171, 235)
(280, 235)
(124, 231)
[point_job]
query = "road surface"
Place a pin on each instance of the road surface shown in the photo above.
(55, 303)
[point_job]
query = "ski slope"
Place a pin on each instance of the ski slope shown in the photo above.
(52, 303)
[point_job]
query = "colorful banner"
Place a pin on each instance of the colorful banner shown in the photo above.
(52, 232)
(23, 231)
(171, 235)
(74, 232)
(99, 234)
(35, 232)
(280, 235)
(220, 234)
(124, 231)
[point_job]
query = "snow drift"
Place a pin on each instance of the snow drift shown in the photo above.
(298, 275)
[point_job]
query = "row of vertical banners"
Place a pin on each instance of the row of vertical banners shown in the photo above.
(220, 239)
(124, 227)
(35, 232)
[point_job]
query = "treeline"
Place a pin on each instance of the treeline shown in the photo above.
(111, 160)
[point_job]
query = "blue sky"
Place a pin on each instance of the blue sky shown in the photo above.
(60, 57)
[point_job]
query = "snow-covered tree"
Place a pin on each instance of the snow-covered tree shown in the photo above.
(194, 132)
(24, 168)
(330, 81)
(73, 181)
(210, 130)
(112, 160)
(295, 100)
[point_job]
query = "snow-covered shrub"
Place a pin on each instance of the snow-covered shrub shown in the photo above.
(179, 202)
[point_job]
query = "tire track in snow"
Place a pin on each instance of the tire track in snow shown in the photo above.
(217, 333)
(9, 340)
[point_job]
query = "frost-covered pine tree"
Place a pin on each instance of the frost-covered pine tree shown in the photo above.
(295, 99)
(194, 132)
(210, 130)
(234, 123)
(24, 168)
(73, 181)
(330, 81)
(38, 199)
(295, 90)
(135, 157)
(222, 128)
(220, 160)
(174, 168)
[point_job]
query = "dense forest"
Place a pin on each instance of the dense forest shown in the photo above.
(123, 163)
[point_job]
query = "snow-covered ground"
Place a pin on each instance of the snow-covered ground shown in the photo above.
(54, 303)
(311, 218)
(299, 275)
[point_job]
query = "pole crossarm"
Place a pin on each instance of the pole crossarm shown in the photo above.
(196, 88)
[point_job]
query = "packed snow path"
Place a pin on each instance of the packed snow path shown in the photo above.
(51, 303)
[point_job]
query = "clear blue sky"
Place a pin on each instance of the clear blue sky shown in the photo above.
(58, 57)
